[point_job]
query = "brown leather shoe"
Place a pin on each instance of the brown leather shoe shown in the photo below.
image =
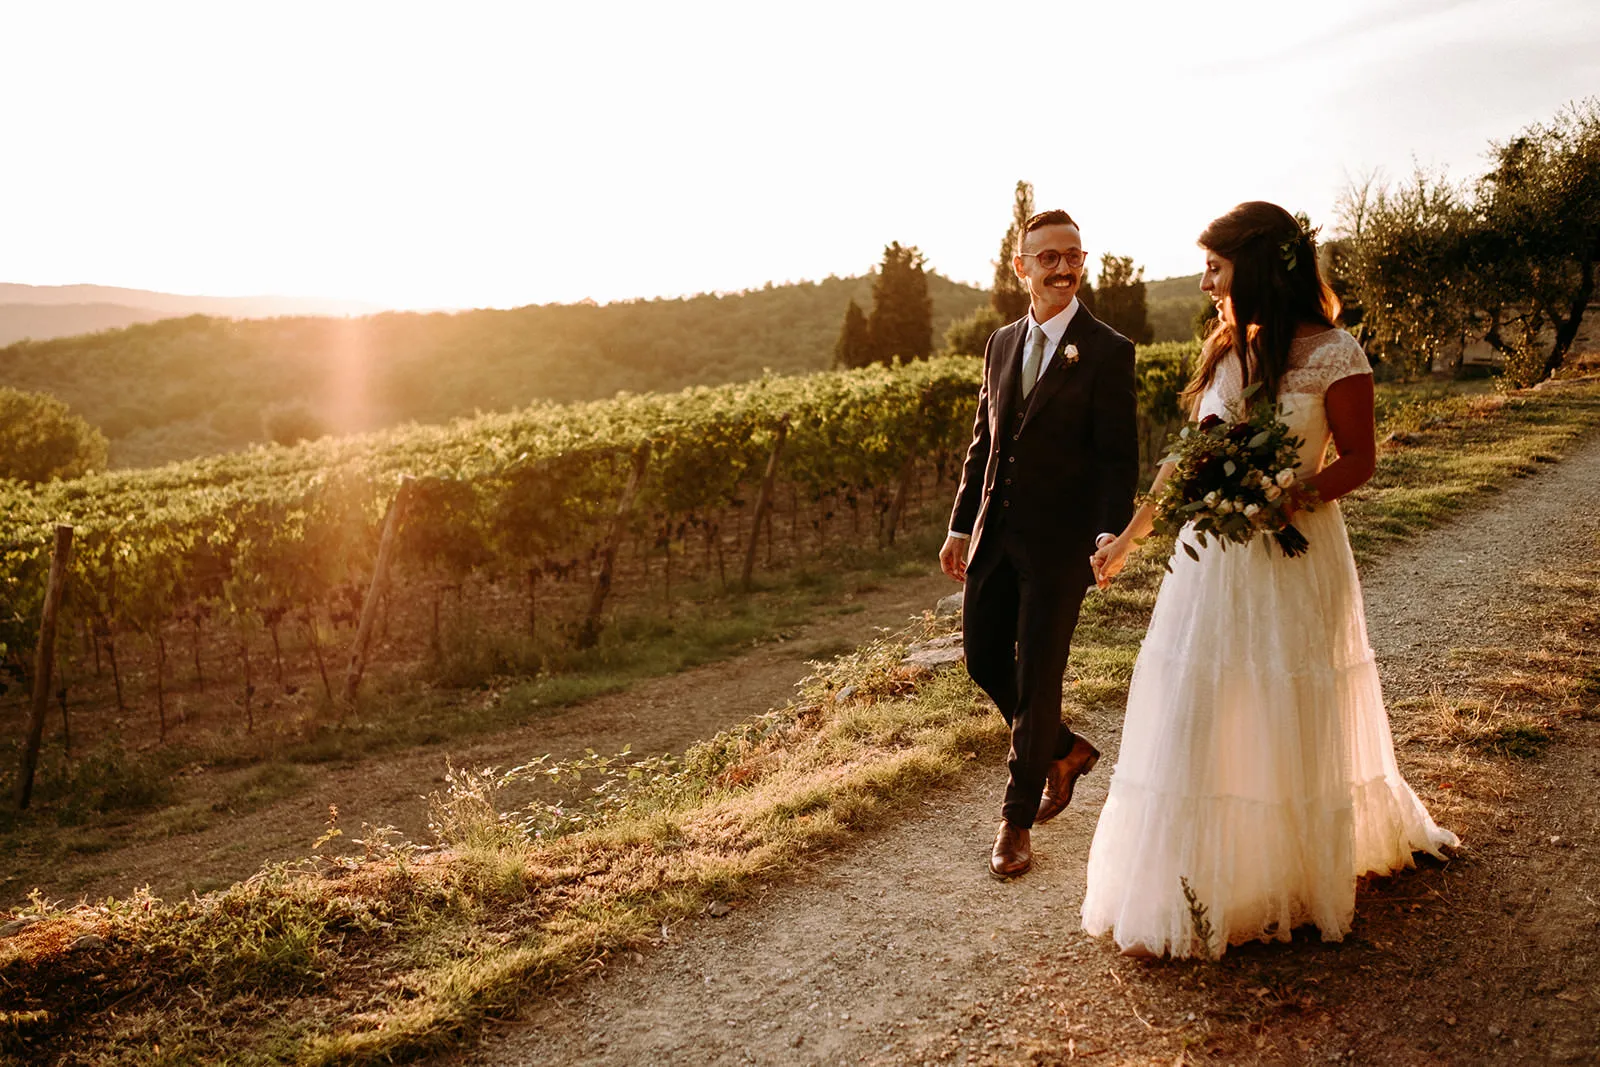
(1013, 854)
(1062, 776)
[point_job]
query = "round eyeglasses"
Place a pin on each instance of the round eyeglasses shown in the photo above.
(1050, 259)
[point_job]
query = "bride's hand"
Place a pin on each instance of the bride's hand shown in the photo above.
(1108, 560)
(1301, 497)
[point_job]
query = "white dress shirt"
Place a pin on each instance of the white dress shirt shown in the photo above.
(1054, 331)
(1055, 328)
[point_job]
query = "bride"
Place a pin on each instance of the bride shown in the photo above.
(1257, 780)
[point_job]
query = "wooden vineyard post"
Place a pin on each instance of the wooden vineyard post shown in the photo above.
(590, 633)
(380, 582)
(764, 503)
(898, 505)
(44, 662)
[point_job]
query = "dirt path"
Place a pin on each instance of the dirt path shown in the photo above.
(900, 949)
(662, 715)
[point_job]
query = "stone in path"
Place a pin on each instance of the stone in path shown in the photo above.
(904, 934)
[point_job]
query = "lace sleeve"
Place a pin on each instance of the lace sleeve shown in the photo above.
(1340, 356)
(1343, 359)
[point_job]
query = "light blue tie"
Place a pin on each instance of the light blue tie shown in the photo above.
(1031, 360)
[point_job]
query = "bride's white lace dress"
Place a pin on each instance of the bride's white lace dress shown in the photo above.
(1257, 764)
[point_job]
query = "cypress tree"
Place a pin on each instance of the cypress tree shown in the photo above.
(854, 347)
(1120, 302)
(1010, 297)
(901, 323)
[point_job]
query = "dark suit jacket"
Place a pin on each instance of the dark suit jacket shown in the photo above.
(1074, 465)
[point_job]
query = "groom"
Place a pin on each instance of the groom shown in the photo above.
(1053, 463)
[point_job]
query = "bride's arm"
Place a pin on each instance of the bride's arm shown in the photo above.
(1349, 404)
(1109, 559)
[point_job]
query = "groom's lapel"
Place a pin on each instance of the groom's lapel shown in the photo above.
(1058, 373)
(1008, 372)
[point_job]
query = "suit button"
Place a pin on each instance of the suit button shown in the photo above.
(1008, 481)
(1005, 503)
(1016, 437)
(1010, 459)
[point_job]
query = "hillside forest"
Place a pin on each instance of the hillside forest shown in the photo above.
(186, 387)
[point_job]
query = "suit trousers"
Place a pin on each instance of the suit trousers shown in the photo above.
(1017, 624)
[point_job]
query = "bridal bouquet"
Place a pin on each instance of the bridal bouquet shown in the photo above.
(1232, 480)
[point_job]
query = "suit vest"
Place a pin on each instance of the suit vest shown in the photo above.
(1012, 429)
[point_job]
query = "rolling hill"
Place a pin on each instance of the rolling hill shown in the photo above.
(191, 386)
(170, 377)
(1173, 303)
(43, 312)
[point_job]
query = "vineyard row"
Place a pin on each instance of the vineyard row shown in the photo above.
(538, 519)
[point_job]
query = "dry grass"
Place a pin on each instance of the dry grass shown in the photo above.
(1494, 726)
(1441, 958)
(1444, 450)
(1514, 703)
(405, 951)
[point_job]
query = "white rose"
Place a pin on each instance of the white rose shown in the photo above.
(1266, 483)
(1211, 498)
(1251, 510)
(1273, 492)
(1224, 507)
(1285, 478)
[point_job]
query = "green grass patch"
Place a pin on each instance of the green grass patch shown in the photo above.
(260, 787)
(179, 820)
(403, 952)
(429, 940)
(482, 682)
(1454, 446)
(108, 782)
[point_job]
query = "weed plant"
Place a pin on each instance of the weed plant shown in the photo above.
(402, 951)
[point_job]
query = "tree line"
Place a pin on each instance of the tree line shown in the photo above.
(182, 388)
(1428, 266)
(899, 325)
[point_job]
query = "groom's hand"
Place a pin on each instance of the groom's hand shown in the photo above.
(1108, 560)
(953, 557)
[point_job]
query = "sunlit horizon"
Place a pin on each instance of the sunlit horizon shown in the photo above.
(503, 155)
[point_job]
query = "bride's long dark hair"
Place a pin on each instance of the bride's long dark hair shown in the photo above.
(1276, 286)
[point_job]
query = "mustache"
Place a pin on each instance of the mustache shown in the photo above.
(1067, 277)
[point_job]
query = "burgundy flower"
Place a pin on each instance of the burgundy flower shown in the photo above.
(1210, 421)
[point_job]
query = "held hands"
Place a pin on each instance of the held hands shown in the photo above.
(1109, 558)
(953, 557)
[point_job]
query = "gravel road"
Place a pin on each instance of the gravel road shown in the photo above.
(901, 937)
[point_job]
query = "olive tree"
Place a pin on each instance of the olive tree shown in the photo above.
(1405, 260)
(1538, 239)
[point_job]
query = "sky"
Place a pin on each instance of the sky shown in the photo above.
(499, 154)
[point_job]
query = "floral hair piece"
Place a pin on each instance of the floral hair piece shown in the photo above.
(1304, 232)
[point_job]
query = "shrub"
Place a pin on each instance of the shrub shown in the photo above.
(40, 440)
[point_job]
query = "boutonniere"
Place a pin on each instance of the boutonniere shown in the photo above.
(1069, 355)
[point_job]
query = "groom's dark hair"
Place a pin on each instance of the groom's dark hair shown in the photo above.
(1053, 217)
